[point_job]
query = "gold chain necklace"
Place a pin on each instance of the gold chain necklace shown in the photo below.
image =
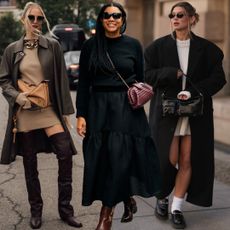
(30, 44)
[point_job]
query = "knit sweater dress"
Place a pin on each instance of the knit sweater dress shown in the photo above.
(31, 72)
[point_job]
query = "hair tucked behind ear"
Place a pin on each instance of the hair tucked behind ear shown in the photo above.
(98, 57)
(190, 11)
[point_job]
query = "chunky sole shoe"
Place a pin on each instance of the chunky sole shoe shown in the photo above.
(177, 219)
(161, 210)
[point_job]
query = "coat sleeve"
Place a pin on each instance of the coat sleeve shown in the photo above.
(156, 74)
(62, 79)
(215, 79)
(8, 90)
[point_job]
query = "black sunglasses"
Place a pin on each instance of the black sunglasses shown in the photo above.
(178, 15)
(38, 18)
(114, 15)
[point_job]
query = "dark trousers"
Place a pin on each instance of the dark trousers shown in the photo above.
(60, 143)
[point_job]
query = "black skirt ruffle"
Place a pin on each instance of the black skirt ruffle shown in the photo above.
(119, 154)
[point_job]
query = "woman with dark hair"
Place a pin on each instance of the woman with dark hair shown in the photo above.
(119, 153)
(185, 144)
(35, 59)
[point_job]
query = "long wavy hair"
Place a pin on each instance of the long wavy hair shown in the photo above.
(98, 59)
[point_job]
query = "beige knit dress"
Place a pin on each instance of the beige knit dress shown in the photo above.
(31, 72)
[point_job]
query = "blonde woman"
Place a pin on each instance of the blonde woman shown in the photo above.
(33, 59)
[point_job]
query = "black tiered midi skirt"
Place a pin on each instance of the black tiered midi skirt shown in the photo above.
(120, 158)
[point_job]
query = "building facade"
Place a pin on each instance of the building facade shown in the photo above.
(8, 6)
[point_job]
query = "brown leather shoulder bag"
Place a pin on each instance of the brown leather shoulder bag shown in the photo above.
(37, 94)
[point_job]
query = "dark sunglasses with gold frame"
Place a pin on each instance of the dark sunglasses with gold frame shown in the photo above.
(32, 18)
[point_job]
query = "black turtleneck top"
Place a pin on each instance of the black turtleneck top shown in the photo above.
(127, 56)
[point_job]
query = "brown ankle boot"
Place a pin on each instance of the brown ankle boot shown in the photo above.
(106, 217)
(130, 207)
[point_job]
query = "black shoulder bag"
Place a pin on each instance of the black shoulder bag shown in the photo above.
(191, 107)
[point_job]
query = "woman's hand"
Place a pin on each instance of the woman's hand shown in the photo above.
(179, 73)
(184, 95)
(23, 101)
(81, 126)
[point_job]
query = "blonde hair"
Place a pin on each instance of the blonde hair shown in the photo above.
(25, 14)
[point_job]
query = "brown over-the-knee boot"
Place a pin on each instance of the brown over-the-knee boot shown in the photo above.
(106, 218)
(61, 146)
(32, 180)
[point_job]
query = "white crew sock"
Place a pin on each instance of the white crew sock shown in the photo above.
(176, 204)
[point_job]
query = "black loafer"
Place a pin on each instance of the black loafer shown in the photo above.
(130, 208)
(35, 222)
(70, 220)
(178, 220)
(161, 210)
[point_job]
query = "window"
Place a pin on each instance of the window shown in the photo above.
(4, 3)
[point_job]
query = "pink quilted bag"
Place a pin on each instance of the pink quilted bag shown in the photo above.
(139, 93)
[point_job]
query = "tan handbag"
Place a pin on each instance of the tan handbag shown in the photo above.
(37, 94)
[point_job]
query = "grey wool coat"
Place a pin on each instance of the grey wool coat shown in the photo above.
(206, 72)
(53, 66)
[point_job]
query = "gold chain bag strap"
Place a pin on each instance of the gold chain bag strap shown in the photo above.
(37, 94)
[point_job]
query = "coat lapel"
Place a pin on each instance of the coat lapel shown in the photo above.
(171, 53)
(18, 55)
(195, 54)
(18, 52)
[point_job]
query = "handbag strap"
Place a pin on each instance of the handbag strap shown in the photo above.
(118, 74)
(192, 84)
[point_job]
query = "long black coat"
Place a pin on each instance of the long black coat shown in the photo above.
(206, 72)
(54, 70)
